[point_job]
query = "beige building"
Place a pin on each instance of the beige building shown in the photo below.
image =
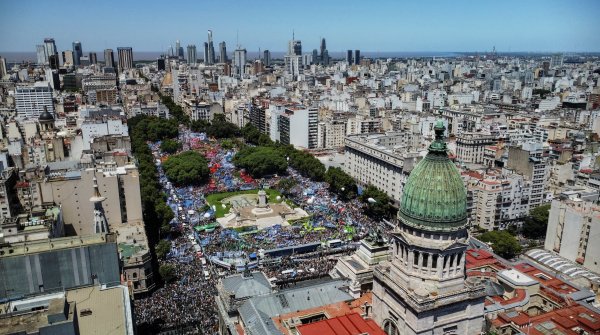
(470, 147)
(381, 160)
(331, 134)
(73, 188)
(572, 227)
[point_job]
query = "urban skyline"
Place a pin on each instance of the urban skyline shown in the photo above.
(456, 26)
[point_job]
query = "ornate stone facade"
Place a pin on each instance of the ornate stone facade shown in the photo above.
(423, 288)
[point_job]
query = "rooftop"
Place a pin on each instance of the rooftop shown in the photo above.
(351, 324)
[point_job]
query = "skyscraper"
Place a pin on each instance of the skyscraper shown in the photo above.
(210, 50)
(423, 288)
(68, 57)
(191, 54)
(295, 48)
(222, 52)
(125, 58)
(357, 57)
(77, 53)
(267, 58)
(324, 53)
(206, 53)
(177, 46)
(315, 57)
(3, 69)
(42, 58)
(109, 58)
(50, 47)
(293, 60)
(93, 58)
(239, 62)
(349, 57)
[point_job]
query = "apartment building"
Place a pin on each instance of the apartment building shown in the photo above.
(381, 160)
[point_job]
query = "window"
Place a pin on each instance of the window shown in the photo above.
(390, 328)
(416, 258)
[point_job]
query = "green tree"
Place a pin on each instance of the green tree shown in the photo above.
(260, 161)
(162, 248)
(250, 133)
(167, 272)
(221, 128)
(227, 144)
(380, 207)
(503, 243)
(187, 168)
(341, 183)
(536, 223)
(170, 146)
(199, 126)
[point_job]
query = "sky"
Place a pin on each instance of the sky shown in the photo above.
(375, 26)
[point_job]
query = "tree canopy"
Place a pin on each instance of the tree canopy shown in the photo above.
(341, 183)
(153, 128)
(221, 128)
(167, 272)
(381, 207)
(260, 161)
(536, 223)
(170, 146)
(162, 248)
(503, 243)
(187, 168)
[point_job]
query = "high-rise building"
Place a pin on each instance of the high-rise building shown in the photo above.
(68, 58)
(125, 58)
(267, 58)
(349, 57)
(77, 53)
(298, 126)
(222, 52)
(315, 57)
(324, 56)
(50, 47)
(160, 64)
(356, 57)
(191, 54)
(205, 57)
(3, 68)
(239, 62)
(423, 288)
(93, 58)
(294, 48)
(109, 58)
(556, 61)
(210, 50)
(177, 46)
(54, 61)
(41, 54)
(31, 101)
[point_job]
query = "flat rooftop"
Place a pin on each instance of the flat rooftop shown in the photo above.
(32, 247)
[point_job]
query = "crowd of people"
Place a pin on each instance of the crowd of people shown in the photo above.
(188, 301)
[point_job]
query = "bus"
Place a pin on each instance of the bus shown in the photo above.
(206, 275)
(334, 243)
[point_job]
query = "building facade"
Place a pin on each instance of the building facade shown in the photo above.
(422, 288)
(30, 101)
(572, 226)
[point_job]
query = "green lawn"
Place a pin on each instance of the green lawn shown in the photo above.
(215, 199)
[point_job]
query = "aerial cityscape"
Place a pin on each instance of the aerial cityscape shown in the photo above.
(314, 168)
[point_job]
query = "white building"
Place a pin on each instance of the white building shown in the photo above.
(31, 100)
(381, 160)
(298, 126)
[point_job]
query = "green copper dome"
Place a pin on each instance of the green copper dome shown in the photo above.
(434, 197)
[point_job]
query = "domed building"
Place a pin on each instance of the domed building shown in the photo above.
(423, 288)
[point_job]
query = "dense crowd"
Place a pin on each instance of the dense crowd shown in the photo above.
(188, 301)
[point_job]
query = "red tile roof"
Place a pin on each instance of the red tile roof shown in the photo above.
(350, 324)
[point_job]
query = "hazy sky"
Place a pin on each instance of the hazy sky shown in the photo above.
(469, 25)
